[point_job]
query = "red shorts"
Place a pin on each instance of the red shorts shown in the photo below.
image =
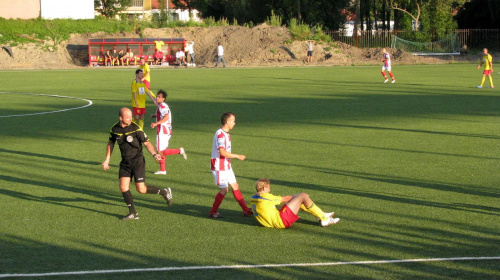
(139, 111)
(487, 72)
(287, 216)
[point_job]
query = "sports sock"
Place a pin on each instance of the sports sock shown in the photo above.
(162, 164)
(383, 74)
(140, 122)
(127, 196)
(239, 197)
(314, 210)
(168, 152)
(152, 190)
(491, 81)
(392, 75)
(482, 80)
(218, 200)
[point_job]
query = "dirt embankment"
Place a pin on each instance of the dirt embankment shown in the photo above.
(261, 45)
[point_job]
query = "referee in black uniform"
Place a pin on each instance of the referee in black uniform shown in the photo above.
(130, 138)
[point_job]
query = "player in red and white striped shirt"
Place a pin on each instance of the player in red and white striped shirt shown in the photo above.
(387, 66)
(163, 126)
(221, 166)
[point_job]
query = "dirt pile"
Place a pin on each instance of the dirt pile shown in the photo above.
(261, 45)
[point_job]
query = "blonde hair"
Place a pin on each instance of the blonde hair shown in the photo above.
(261, 183)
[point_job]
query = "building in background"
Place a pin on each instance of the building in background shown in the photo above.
(47, 9)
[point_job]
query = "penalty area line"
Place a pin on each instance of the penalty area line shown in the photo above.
(89, 103)
(180, 268)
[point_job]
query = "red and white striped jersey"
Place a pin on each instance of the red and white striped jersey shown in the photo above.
(162, 111)
(387, 57)
(222, 139)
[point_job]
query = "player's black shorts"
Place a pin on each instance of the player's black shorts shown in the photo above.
(309, 53)
(133, 168)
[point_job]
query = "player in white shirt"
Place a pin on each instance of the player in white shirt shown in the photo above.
(221, 166)
(387, 66)
(189, 49)
(163, 126)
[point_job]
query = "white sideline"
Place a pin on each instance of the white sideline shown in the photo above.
(178, 268)
(89, 102)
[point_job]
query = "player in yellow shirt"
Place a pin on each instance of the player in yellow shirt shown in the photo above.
(487, 60)
(264, 207)
(139, 91)
(146, 77)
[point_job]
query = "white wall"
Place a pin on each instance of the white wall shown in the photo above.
(75, 9)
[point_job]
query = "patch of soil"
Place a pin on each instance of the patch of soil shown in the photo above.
(261, 45)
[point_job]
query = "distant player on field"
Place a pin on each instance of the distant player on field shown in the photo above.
(264, 207)
(146, 77)
(488, 68)
(139, 91)
(387, 66)
(221, 166)
(163, 126)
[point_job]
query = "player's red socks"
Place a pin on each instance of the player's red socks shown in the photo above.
(162, 164)
(168, 152)
(392, 76)
(383, 74)
(218, 200)
(239, 197)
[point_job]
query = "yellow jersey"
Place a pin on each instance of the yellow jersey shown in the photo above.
(141, 89)
(146, 71)
(487, 61)
(264, 210)
(158, 44)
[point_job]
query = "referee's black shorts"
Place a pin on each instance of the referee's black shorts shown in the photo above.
(135, 168)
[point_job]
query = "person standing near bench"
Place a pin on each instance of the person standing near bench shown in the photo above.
(220, 55)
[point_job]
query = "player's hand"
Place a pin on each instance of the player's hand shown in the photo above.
(242, 157)
(157, 157)
(153, 125)
(105, 165)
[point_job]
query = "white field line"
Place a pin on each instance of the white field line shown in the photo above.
(179, 268)
(89, 102)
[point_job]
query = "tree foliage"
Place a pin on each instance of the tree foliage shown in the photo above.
(110, 8)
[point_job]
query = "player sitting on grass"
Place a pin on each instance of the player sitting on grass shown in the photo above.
(264, 207)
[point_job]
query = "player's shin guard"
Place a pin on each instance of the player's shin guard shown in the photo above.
(239, 197)
(314, 210)
(127, 196)
(482, 80)
(218, 200)
(168, 152)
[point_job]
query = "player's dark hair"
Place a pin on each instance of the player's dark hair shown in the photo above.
(225, 117)
(137, 71)
(162, 93)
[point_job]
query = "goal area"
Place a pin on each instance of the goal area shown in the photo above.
(449, 45)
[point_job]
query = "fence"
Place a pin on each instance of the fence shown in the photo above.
(473, 38)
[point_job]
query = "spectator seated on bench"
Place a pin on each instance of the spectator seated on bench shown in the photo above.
(158, 58)
(121, 57)
(180, 57)
(129, 57)
(108, 59)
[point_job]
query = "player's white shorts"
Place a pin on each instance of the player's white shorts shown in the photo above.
(162, 141)
(224, 178)
(388, 68)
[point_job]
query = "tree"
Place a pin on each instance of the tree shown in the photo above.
(110, 8)
(415, 15)
(185, 5)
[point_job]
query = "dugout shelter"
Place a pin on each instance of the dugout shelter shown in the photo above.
(141, 47)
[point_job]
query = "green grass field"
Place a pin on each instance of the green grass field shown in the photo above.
(411, 170)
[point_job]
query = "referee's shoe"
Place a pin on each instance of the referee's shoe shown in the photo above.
(167, 195)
